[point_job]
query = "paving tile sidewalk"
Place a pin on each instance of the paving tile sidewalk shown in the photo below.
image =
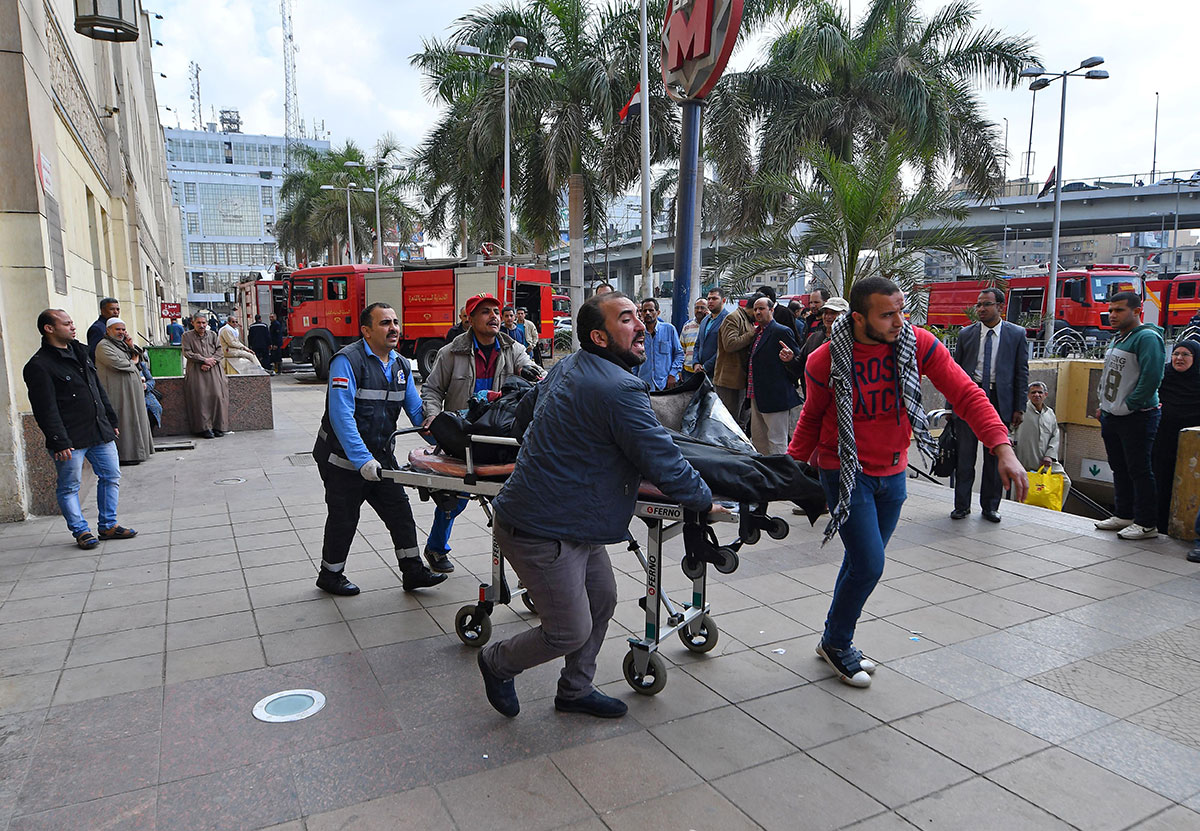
(1035, 674)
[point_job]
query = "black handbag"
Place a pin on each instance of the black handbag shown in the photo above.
(946, 459)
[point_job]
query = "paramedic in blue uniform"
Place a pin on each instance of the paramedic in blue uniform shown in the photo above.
(559, 509)
(369, 386)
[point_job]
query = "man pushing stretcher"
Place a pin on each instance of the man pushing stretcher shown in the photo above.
(594, 437)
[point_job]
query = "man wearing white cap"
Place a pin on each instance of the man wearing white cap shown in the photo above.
(122, 381)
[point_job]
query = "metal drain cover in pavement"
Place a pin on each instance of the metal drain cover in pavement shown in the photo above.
(289, 705)
(236, 480)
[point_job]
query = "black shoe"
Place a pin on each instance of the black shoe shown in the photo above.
(207, 434)
(438, 561)
(991, 516)
(1193, 556)
(420, 577)
(594, 703)
(218, 433)
(335, 582)
(501, 693)
(960, 513)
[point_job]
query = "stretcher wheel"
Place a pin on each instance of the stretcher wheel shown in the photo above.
(528, 601)
(704, 638)
(751, 536)
(473, 627)
(693, 567)
(653, 681)
(727, 560)
(778, 528)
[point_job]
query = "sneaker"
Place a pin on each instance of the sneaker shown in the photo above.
(1138, 532)
(438, 561)
(594, 703)
(1193, 556)
(501, 692)
(1113, 523)
(867, 665)
(846, 663)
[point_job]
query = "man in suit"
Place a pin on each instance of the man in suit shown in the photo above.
(704, 359)
(995, 354)
(771, 388)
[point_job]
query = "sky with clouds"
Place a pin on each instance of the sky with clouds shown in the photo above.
(354, 73)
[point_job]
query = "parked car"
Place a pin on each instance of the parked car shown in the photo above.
(1073, 187)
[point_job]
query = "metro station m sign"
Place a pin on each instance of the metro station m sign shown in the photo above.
(697, 40)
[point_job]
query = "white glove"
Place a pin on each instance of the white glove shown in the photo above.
(372, 471)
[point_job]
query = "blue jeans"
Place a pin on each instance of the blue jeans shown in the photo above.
(106, 466)
(874, 511)
(1128, 440)
(443, 524)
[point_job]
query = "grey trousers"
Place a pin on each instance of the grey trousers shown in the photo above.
(732, 399)
(573, 587)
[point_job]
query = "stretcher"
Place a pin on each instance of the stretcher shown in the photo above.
(440, 477)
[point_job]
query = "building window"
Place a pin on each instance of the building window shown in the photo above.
(193, 223)
(230, 210)
(189, 193)
(268, 197)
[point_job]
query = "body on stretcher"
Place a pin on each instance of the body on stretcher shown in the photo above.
(644, 669)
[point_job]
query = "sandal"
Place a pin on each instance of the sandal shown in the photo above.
(87, 540)
(117, 532)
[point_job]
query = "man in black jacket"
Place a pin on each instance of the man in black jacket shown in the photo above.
(110, 307)
(79, 423)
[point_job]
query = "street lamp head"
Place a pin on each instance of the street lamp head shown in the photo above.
(544, 62)
(518, 44)
(1088, 63)
(366, 190)
(1032, 71)
(496, 68)
(466, 50)
(1040, 83)
(353, 164)
(329, 187)
(993, 208)
(1096, 74)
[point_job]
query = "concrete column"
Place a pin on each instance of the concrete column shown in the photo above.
(1185, 498)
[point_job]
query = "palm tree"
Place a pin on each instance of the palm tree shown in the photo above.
(313, 221)
(845, 87)
(849, 212)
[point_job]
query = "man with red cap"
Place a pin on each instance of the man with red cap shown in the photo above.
(480, 359)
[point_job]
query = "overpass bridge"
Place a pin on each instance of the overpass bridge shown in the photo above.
(1110, 205)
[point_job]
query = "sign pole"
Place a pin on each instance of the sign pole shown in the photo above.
(685, 216)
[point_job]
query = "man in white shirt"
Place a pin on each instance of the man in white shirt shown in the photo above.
(1038, 438)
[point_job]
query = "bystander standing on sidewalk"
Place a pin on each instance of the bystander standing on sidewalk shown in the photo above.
(771, 382)
(174, 332)
(704, 359)
(862, 411)
(733, 358)
(126, 390)
(664, 353)
(689, 335)
(1037, 438)
(109, 307)
(1129, 416)
(79, 423)
(277, 332)
(1179, 394)
(258, 338)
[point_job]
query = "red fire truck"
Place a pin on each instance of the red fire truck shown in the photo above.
(325, 302)
(1081, 300)
(1172, 303)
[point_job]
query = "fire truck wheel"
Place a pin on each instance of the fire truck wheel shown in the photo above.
(426, 354)
(322, 355)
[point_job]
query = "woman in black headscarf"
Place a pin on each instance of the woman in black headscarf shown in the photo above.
(1180, 398)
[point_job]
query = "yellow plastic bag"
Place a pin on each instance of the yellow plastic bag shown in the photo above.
(1045, 489)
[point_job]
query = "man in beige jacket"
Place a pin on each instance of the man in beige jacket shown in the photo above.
(734, 339)
(480, 359)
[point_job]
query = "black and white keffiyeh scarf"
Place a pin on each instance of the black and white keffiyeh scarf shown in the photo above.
(841, 380)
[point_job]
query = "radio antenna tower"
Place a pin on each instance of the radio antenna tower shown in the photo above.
(291, 100)
(194, 77)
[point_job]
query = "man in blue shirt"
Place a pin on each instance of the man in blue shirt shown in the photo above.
(369, 386)
(704, 358)
(175, 332)
(664, 352)
(510, 327)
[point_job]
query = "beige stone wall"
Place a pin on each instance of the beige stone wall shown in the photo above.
(85, 208)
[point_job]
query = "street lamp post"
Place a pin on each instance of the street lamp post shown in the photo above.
(379, 165)
(1006, 212)
(349, 221)
(517, 44)
(1042, 79)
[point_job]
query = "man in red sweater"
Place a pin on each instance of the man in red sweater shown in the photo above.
(862, 410)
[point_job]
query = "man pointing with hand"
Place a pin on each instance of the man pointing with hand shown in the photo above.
(369, 386)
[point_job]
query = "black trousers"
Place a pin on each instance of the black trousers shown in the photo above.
(345, 492)
(990, 491)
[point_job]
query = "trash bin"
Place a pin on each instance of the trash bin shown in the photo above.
(165, 361)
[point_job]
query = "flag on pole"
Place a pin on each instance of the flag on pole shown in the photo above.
(1049, 182)
(634, 105)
